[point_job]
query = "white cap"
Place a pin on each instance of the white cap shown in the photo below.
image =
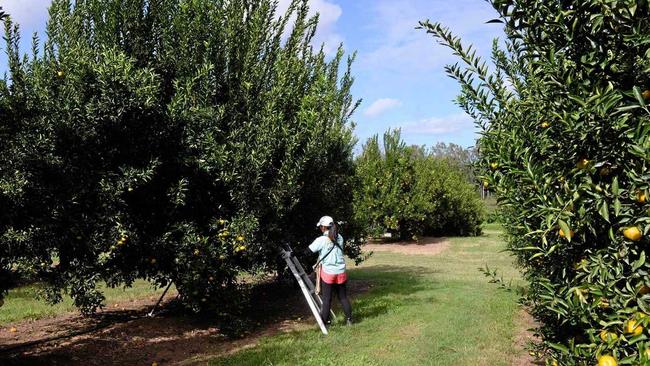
(325, 221)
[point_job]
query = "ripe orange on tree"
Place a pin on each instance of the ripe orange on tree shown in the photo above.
(607, 360)
(608, 336)
(646, 94)
(633, 328)
(583, 163)
(632, 233)
(564, 235)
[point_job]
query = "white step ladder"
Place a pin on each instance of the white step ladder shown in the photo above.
(308, 290)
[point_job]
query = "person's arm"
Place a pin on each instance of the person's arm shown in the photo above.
(315, 246)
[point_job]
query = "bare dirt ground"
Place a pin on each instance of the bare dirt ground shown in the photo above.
(123, 335)
(425, 246)
(524, 337)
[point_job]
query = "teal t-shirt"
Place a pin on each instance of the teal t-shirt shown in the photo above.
(334, 263)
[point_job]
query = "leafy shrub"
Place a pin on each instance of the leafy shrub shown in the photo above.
(407, 191)
(178, 141)
(565, 145)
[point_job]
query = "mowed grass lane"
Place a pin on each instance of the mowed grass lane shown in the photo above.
(421, 310)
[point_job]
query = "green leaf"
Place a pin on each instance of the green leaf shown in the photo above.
(604, 211)
(639, 96)
(565, 228)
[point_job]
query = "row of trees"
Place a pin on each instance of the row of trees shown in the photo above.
(565, 144)
(176, 141)
(185, 141)
(410, 191)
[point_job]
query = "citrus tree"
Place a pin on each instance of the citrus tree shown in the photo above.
(565, 145)
(409, 191)
(177, 141)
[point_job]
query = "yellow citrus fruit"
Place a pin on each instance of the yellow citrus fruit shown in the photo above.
(60, 73)
(494, 165)
(563, 235)
(632, 327)
(240, 238)
(486, 183)
(545, 124)
(608, 336)
(632, 233)
(582, 163)
(646, 353)
(554, 363)
(641, 197)
(646, 94)
(607, 360)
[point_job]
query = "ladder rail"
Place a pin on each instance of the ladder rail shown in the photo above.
(305, 291)
(310, 285)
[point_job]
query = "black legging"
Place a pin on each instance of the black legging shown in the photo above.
(341, 292)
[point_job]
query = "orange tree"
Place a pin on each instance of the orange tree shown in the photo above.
(410, 192)
(565, 144)
(176, 141)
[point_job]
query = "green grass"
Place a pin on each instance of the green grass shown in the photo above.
(22, 303)
(421, 310)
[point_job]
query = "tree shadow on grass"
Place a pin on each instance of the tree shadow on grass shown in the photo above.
(390, 287)
(174, 336)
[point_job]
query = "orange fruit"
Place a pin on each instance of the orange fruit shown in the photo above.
(632, 327)
(632, 233)
(641, 197)
(563, 235)
(607, 360)
(582, 163)
(646, 94)
(608, 336)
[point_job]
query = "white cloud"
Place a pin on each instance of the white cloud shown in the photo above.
(400, 48)
(328, 14)
(380, 106)
(440, 125)
(27, 13)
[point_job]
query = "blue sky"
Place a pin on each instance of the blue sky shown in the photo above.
(399, 70)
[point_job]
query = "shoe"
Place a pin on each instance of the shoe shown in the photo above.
(348, 321)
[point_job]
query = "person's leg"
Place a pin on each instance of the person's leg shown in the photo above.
(342, 293)
(326, 296)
